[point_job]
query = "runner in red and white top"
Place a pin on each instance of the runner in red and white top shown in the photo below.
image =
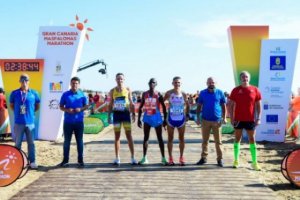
(151, 102)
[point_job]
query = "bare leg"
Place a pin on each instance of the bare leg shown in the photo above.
(181, 131)
(146, 138)
(130, 142)
(170, 140)
(160, 140)
(117, 143)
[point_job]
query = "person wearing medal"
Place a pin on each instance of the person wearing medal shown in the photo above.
(178, 114)
(151, 101)
(121, 105)
(25, 102)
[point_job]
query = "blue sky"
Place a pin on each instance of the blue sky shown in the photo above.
(145, 39)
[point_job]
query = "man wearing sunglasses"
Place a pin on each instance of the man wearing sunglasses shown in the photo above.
(25, 102)
(152, 101)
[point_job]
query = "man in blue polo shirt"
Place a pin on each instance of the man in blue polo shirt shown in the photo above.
(24, 102)
(73, 103)
(211, 102)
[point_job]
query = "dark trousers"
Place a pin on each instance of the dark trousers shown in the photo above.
(77, 128)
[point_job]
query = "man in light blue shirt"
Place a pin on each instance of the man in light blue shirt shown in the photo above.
(25, 102)
(211, 102)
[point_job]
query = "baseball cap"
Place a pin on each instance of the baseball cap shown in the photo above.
(24, 77)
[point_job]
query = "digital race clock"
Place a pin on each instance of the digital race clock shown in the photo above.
(21, 66)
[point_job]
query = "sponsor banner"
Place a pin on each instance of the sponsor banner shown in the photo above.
(277, 64)
(60, 47)
(12, 164)
(245, 43)
(11, 70)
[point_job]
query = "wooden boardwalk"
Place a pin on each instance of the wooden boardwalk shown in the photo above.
(100, 180)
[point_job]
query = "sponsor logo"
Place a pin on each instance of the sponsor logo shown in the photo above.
(11, 164)
(266, 106)
(273, 90)
(58, 70)
(277, 63)
(272, 119)
(56, 86)
(275, 107)
(277, 77)
(297, 178)
(278, 51)
(271, 132)
(53, 104)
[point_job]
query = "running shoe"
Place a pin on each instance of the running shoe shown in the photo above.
(181, 161)
(33, 165)
(220, 163)
(117, 162)
(81, 164)
(164, 161)
(64, 164)
(133, 161)
(236, 164)
(202, 161)
(171, 162)
(256, 167)
(143, 161)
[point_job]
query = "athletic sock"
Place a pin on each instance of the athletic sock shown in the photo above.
(253, 153)
(236, 148)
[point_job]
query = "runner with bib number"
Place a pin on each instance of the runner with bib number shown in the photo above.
(121, 106)
(177, 116)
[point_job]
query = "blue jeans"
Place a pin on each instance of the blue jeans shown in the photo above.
(77, 128)
(19, 130)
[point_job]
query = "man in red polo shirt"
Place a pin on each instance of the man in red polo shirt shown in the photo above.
(245, 114)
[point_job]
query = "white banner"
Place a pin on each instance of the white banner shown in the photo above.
(61, 48)
(277, 62)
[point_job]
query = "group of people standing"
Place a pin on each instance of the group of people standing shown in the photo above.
(244, 109)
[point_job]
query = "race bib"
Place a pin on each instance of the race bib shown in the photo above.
(176, 112)
(119, 105)
(150, 106)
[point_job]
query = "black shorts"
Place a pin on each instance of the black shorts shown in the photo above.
(244, 125)
(119, 117)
